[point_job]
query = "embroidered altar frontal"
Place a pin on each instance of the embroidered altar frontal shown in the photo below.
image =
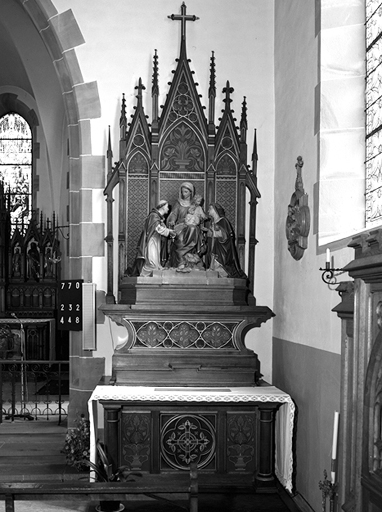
(225, 431)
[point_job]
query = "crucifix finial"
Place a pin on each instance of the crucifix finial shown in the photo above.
(183, 17)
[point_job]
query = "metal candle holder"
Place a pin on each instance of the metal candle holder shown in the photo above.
(328, 490)
(329, 274)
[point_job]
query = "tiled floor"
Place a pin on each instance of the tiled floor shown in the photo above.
(31, 450)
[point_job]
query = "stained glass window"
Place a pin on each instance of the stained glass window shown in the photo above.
(16, 164)
(373, 112)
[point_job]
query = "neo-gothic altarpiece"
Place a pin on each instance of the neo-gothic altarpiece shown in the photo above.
(185, 326)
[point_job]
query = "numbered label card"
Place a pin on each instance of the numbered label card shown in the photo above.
(70, 305)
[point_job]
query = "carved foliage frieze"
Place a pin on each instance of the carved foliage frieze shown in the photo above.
(241, 436)
(182, 150)
(136, 436)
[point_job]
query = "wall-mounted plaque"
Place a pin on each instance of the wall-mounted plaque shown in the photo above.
(70, 305)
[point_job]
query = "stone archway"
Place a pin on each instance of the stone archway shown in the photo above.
(61, 34)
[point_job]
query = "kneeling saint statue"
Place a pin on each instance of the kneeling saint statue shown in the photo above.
(222, 255)
(149, 248)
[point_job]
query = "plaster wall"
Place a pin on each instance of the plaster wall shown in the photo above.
(299, 283)
(307, 334)
(120, 39)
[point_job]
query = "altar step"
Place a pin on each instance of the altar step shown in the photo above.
(31, 450)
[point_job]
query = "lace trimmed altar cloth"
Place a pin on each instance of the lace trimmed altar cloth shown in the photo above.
(284, 416)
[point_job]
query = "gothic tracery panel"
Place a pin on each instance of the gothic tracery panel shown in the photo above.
(182, 150)
(226, 196)
(184, 334)
(137, 207)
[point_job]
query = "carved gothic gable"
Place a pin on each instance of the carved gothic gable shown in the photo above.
(183, 100)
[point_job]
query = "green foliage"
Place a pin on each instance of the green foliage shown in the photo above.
(77, 444)
(104, 468)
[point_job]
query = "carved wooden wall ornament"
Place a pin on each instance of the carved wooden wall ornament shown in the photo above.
(298, 219)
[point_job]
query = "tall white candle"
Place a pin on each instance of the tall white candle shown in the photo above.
(335, 435)
(327, 255)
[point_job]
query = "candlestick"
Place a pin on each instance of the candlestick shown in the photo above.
(333, 471)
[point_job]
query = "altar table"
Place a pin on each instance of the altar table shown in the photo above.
(235, 430)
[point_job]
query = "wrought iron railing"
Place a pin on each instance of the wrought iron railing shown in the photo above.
(33, 389)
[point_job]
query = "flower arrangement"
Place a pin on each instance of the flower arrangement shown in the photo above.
(77, 444)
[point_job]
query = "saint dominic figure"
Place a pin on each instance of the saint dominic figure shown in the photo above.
(150, 242)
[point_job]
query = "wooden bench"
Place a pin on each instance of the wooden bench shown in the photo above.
(149, 485)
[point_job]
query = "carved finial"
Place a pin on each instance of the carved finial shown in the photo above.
(243, 121)
(109, 154)
(155, 93)
(123, 107)
(212, 89)
(228, 91)
(109, 151)
(140, 88)
(254, 154)
(155, 87)
(123, 119)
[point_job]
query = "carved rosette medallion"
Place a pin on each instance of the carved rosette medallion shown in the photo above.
(298, 219)
(187, 438)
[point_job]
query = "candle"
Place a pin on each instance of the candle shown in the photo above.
(334, 445)
(335, 435)
(327, 255)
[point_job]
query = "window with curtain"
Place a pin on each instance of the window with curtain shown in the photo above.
(16, 164)
(373, 113)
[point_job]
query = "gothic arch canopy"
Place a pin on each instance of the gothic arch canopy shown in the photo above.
(184, 144)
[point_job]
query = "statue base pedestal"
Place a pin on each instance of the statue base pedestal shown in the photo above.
(186, 329)
(171, 287)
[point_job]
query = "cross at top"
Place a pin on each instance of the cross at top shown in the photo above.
(183, 17)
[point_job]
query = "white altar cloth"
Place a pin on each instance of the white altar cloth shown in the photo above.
(284, 416)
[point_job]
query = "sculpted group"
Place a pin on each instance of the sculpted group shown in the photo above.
(181, 241)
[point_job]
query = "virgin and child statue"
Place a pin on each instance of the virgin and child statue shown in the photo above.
(187, 238)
